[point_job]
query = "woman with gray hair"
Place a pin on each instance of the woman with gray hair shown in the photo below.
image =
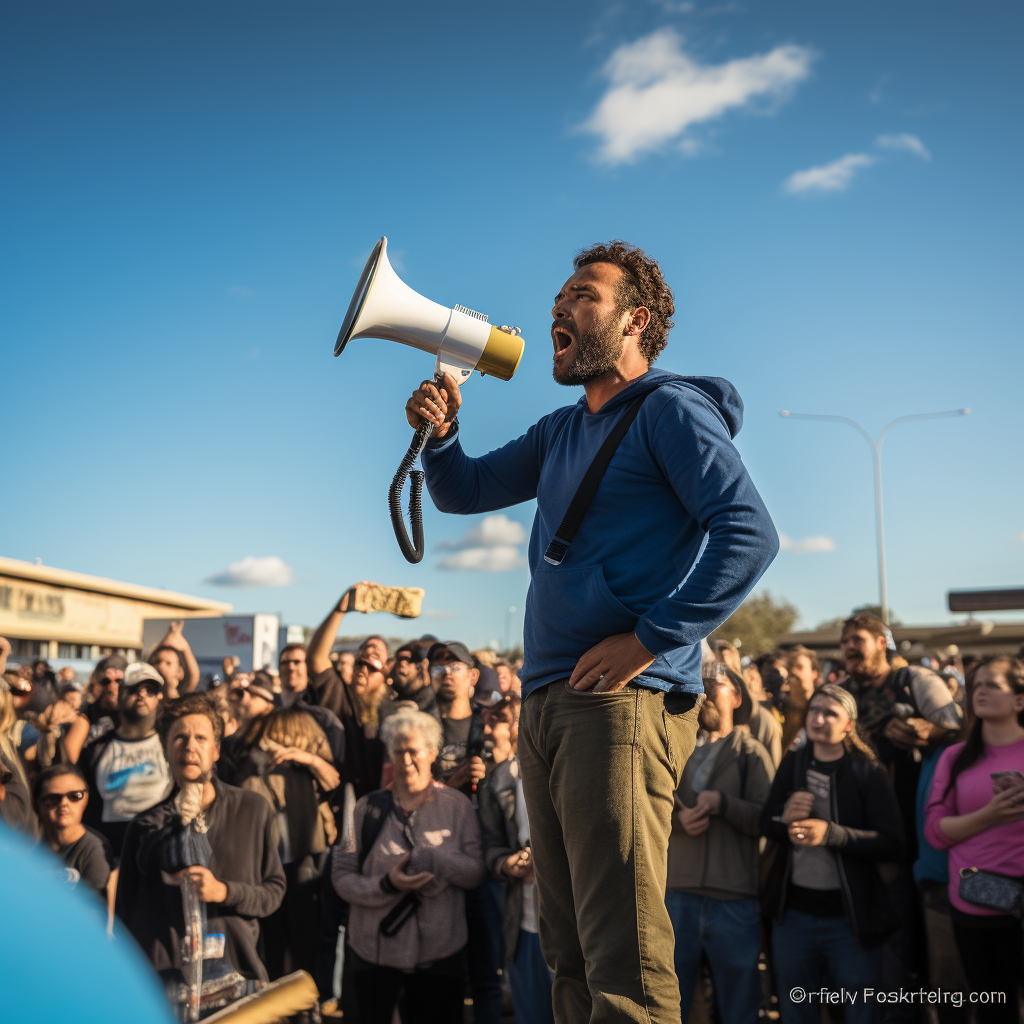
(404, 868)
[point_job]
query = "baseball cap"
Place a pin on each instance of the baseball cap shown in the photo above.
(139, 672)
(115, 661)
(456, 649)
(488, 687)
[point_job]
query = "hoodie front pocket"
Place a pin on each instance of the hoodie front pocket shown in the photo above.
(572, 610)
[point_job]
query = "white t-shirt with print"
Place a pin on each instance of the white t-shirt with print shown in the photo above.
(132, 776)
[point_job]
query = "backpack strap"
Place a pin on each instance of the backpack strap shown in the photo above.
(379, 805)
(573, 518)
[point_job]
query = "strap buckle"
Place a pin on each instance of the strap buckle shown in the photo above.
(556, 550)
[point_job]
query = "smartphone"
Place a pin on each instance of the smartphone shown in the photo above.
(1002, 781)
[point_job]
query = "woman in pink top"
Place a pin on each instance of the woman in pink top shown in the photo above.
(980, 820)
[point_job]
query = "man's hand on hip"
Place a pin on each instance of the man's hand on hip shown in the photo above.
(611, 664)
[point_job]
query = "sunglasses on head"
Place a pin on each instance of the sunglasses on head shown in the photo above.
(76, 796)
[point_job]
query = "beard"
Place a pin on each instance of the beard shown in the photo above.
(708, 717)
(132, 715)
(597, 352)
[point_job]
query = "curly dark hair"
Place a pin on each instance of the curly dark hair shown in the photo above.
(190, 704)
(641, 284)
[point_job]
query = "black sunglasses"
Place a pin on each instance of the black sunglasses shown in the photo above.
(367, 665)
(147, 689)
(76, 796)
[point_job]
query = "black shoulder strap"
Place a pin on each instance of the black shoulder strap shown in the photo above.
(584, 495)
(378, 807)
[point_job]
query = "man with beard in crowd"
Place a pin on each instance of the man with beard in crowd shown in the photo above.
(905, 714)
(125, 766)
(295, 688)
(107, 676)
(410, 681)
(617, 609)
(455, 676)
(232, 856)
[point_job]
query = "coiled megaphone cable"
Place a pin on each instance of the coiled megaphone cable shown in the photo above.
(412, 549)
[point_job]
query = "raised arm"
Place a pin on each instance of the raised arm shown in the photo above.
(176, 638)
(318, 651)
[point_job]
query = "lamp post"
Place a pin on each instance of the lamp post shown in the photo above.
(509, 612)
(875, 444)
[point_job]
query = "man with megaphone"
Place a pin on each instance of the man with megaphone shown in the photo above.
(630, 483)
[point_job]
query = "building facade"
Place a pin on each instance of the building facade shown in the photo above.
(53, 613)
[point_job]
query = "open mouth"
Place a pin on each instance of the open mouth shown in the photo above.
(562, 340)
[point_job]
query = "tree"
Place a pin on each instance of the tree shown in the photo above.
(758, 624)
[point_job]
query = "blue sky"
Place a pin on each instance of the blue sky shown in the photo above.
(190, 189)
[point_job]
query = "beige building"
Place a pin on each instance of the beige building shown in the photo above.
(54, 613)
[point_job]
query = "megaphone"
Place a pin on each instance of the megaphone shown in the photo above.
(384, 306)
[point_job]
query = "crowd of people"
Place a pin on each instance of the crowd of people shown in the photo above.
(852, 827)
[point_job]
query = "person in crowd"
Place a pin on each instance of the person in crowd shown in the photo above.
(505, 833)
(174, 660)
(409, 680)
(229, 666)
(15, 803)
(714, 850)
(904, 714)
(106, 678)
(292, 769)
(455, 675)
(125, 766)
(803, 677)
(412, 854)
(221, 839)
(728, 653)
(976, 812)
(507, 679)
(60, 794)
(618, 611)
(71, 694)
(53, 725)
(295, 688)
(346, 665)
(772, 669)
(834, 817)
(250, 706)
(765, 728)
(44, 686)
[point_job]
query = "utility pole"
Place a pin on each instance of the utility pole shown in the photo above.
(875, 444)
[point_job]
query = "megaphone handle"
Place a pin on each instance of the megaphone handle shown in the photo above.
(411, 549)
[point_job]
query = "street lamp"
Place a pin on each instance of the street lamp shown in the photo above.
(876, 451)
(509, 612)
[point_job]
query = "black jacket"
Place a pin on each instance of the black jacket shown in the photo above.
(499, 833)
(243, 838)
(866, 830)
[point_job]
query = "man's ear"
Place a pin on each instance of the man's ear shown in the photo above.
(474, 674)
(638, 321)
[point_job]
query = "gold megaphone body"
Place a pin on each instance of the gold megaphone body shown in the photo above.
(384, 306)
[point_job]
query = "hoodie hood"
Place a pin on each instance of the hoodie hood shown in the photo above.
(717, 391)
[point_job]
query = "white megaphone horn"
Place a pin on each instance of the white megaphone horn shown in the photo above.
(384, 306)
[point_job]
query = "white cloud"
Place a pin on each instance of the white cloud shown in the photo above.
(493, 531)
(806, 545)
(834, 177)
(270, 571)
(657, 91)
(905, 142)
(494, 559)
(491, 546)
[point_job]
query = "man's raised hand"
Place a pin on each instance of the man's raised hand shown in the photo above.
(432, 404)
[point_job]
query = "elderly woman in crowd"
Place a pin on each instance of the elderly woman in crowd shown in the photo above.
(413, 852)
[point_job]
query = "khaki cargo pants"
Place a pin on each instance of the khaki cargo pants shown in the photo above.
(599, 772)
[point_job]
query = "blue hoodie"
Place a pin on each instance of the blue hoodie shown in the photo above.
(675, 481)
